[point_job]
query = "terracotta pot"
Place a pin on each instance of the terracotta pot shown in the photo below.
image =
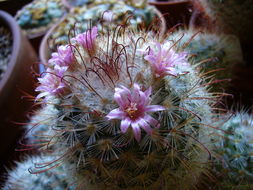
(44, 50)
(175, 12)
(200, 18)
(17, 78)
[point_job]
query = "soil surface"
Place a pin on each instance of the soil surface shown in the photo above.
(5, 49)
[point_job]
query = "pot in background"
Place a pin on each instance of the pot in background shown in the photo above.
(17, 78)
(174, 11)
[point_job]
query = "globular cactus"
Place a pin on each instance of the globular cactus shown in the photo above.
(235, 149)
(215, 53)
(132, 113)
(50, 179)
(37, 129)
(38, 16)
(105, 14)
(77, 3)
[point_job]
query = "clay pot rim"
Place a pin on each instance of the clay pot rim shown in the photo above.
(43, 44)
(13, 67)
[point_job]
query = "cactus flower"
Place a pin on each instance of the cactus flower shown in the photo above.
(164, 60)
(63, 57)
(133, 108)
(87, 39)
(108, 16)
(51, 83)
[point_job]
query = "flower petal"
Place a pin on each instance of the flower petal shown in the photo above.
(144, 100)
(108, 16)
(136, 131)
(135, 97)
(144, 125)
(154, 108)
(148, 91)
(119, 100)
(41, 95)
(124, 125)
(151, 121)
(115, 114)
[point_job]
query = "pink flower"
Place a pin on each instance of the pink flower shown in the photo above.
(163, 61)
(87, 39)
(133, 109)
(51, 83)
(108, 16)
(63, 57)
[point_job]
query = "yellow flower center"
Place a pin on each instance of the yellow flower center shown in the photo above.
(131, 110)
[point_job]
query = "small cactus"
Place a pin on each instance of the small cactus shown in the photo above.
(37, 129)
(214, 52)
(38, 16)
(236, 149)
(50, 179)
(104, 14)
(132, 113)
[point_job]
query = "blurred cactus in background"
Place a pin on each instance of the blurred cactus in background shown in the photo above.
(236, 150)
(39, 15)
(24, 177)
(215, 53)
(231, 17)
(103, 14)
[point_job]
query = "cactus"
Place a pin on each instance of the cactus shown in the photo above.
(235, 149)
(37, 131)
(109, 13)
(132, 113)
(51, 179)
(221, 52)
(77, 3)
(38, 16)
(5, 51)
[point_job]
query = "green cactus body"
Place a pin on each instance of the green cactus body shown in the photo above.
(221, 52)
(51, 179)
(168, 148)
(78, 3)
(39, 15)
(37, 129)
(236, 150)
(80, 19)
